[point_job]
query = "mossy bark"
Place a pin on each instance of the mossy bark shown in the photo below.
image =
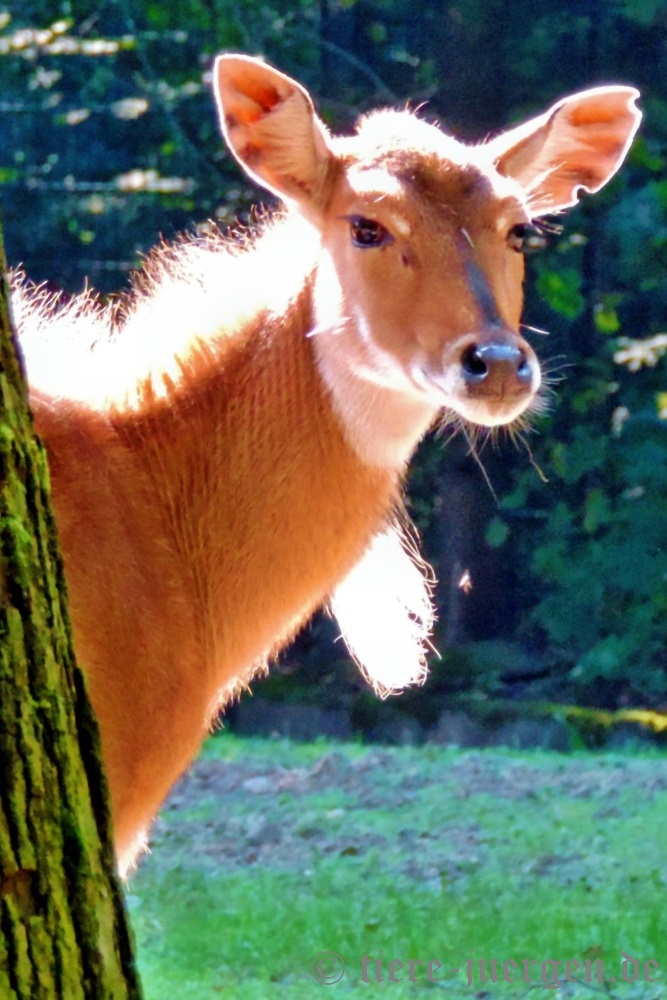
(63, 927)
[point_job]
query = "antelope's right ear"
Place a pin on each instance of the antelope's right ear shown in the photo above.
(269, 123)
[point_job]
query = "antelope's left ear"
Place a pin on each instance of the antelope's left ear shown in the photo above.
(578, 144)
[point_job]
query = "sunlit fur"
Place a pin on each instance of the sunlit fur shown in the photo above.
(227, 442)
(384, 610)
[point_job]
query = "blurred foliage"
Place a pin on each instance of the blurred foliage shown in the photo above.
(593, 543)
(108, 139)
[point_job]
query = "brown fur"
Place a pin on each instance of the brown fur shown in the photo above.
(227, 442)
(151, 546)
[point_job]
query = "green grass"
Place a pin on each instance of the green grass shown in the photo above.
(440, 854)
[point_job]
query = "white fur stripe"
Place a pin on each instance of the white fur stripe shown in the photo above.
(385, 613)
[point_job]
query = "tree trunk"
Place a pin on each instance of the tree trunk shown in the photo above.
(63, 928)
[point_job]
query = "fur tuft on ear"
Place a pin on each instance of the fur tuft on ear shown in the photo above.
(269, 123)
(577, 145)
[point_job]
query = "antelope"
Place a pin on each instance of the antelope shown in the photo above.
(227, 441)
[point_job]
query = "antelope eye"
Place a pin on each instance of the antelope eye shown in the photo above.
(367, 233)
(526, 238)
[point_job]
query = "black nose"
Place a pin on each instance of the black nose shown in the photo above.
(496, 367)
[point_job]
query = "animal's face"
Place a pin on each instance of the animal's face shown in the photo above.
(420, 280)
(423, 239)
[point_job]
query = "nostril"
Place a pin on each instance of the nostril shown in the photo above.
(499, 364)
(473, 363)
(524, 368)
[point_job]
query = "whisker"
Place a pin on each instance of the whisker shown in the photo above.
(563, 360)
(534, 329)
(553, 369)
(446, 431)
(518, 435)
(552, 379)
(477, 438)
(542, 404)
(472, 435)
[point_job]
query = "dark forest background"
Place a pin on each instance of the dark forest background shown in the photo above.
(108, 140)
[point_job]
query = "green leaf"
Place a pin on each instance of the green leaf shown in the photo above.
(497, 532)
(562, 290)
(597, 510)
(606, 319)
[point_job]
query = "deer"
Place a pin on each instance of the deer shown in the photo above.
(228, 440)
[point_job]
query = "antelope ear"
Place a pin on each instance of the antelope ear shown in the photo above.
(270, 125)
(578, 144)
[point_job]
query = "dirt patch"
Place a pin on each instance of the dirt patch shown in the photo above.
(425, 814)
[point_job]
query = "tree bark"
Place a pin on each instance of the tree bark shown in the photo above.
(63, 929)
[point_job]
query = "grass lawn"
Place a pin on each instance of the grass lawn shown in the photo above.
(270, 853)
